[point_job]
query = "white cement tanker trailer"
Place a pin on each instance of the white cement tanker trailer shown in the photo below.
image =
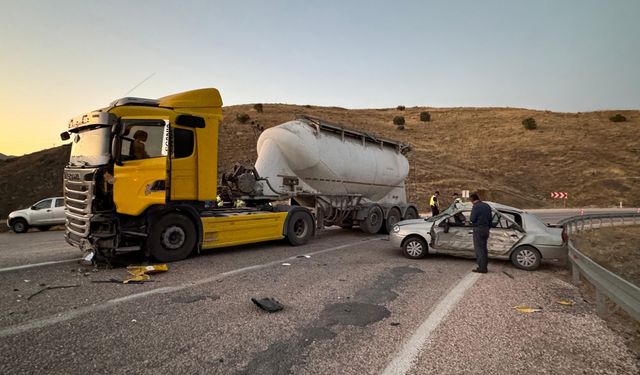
(347, 177)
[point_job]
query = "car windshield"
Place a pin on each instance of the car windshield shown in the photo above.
(90, 146)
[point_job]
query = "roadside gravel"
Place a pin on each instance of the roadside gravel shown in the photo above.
(485, 334)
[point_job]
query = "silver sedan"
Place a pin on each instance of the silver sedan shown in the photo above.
(514, 235)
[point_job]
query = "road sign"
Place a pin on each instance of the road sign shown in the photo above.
(559, 195)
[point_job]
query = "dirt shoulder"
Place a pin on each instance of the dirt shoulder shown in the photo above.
(616, 249)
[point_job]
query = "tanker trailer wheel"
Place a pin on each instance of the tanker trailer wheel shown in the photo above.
(392, 219)
(172, 238)
(299, 228)
(373, 222)
(411, 213)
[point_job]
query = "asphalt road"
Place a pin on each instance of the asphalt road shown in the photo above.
(353, 306)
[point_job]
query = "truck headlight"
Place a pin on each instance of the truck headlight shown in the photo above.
(395, 229)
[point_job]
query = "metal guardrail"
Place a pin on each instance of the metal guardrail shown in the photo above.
(607, 284)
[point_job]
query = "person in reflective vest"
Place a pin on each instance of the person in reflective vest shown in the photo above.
(433, 203)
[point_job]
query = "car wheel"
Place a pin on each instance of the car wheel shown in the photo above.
(411, 213)
(172, 238)
(392, 219)
(20, 226)
(526, 258)
(44, 228)
(373, 222)
(299, 228)
(414, 248)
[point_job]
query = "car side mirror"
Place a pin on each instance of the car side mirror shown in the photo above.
(33, 207)
(65, 136)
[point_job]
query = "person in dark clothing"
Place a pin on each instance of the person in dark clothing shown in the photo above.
(434, 204)
(481, 220)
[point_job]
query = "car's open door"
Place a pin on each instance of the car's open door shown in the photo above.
(452, 235)
(505, 233)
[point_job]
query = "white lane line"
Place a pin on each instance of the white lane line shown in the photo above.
(404, 359)
(71, 314)
(14, 268)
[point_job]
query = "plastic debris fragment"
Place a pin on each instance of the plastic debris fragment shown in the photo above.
(286, 264)
(566, 302)
(140, 274)
(527, 309)
(268, 304)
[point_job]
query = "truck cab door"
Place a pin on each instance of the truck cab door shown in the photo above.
(141, 167)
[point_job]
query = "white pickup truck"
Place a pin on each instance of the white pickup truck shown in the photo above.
(42, 215)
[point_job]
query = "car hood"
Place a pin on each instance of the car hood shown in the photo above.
(22, 212)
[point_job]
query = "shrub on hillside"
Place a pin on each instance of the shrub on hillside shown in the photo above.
(617, 118)
(398, 120)
(529, 123)
(258, 107)
(243, 118)
(400, 108)
(425, 116)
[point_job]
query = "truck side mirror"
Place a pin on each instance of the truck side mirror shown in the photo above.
(65, 136)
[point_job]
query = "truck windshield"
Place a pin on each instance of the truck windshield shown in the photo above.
(90, 146)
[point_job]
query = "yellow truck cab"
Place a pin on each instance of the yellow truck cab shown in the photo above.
(143, 175)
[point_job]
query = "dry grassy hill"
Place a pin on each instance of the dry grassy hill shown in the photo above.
(487, 149)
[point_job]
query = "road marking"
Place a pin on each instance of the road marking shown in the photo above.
(404, 359)
(7, 269)
(71, 314)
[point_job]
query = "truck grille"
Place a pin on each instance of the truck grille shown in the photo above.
(78, 196)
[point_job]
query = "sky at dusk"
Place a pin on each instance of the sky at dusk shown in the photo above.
(63, 58)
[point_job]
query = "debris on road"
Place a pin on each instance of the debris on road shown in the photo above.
(395, 324)
(286, 264)
(268, 304)
(508, 274)
(566, 302)
(140, 274)
(527, 309)
(304, 256)
(111, 280)
(52, 287)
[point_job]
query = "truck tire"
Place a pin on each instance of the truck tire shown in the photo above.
(411, 213)
(392, 219)
(299, 228)
(373, 222)
(172, 238)
(20, 226)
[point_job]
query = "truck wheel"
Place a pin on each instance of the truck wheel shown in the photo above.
(20, 226)
(44, 228)
(392, 219)
(172, 238)
(411, 213)
(373, 222)
(299, 228)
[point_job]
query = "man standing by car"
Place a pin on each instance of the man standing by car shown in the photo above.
(433, 203)
(481, 220)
